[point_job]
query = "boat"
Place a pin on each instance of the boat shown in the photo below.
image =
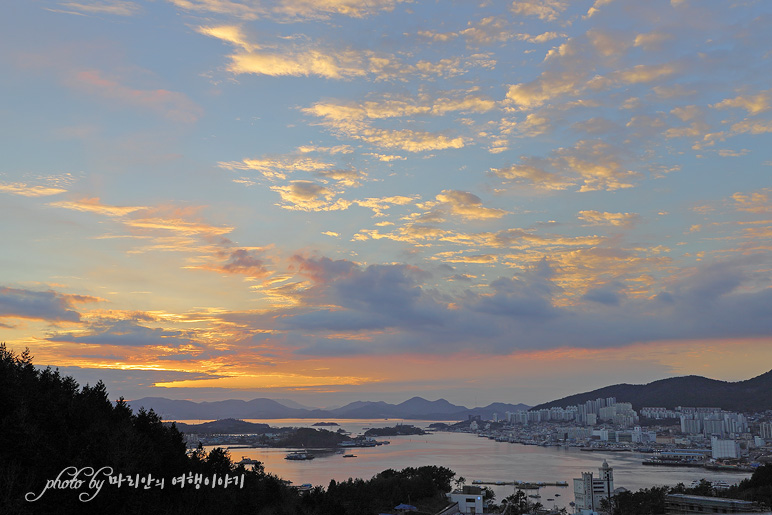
(247, 461)
(349, 455)
(299, 456)
(550, 499)
(557, 495)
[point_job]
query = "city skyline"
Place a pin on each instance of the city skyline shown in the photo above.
(375, 199)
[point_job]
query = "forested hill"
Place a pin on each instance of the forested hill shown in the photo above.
(751, 395)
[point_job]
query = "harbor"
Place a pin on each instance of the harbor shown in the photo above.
(485, 462)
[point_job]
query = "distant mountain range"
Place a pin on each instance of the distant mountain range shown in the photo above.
(416, 408)
(752, 395)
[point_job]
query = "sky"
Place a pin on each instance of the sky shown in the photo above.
(339, 200)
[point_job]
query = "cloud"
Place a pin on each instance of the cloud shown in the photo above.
(372, 297)
(466, 205)
(652, 40)
(548, 86)
(596, 7)
(323, 8)
(593, 217)
(492, 29)
(547, 10)
(595, 164)
(306, 59)
(753, 104)
(277, 167)
(94, 205)
(48, 306)
(232, 34)
(116, 7)
(343, 177)
(248, 10)
(754, 202)
(289, 10)
(302, 63)
(309, 196)
(609, 294)
(534, 174)
(245, 262)
(125, 333)
(752, 127)
(380, 204)
(354, 121)
(529, 297)
(25, 190)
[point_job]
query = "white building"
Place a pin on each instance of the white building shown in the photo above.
(589, 491)
(469, 499)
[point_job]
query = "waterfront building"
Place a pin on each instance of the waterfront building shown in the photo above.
(589, 491)
(765, 430)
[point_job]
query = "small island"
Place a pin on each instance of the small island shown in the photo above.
(395, 431)
(326, 424)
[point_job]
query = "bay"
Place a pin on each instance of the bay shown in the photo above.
(472, 457)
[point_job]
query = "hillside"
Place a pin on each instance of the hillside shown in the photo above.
(751, 395)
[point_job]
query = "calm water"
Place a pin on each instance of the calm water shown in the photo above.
(473, 458)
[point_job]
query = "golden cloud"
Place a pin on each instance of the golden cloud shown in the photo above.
(25, 190)
(309, 196)
(94, 205)
(467, 205)
(605, 218)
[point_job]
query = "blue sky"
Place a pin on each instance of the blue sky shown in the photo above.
(339, 199)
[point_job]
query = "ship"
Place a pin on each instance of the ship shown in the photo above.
(299, 456)
(247, 461)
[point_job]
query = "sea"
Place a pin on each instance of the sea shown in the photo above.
(471, 457)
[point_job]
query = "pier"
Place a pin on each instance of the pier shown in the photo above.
(524, 485)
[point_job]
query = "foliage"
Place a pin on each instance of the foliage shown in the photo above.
(390, 488)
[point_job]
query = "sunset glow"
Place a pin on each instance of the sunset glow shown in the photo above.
(374, 199)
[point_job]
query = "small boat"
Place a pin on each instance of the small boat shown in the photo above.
(557, 495)
(349, 455)
(550, 499)
(299, 456)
